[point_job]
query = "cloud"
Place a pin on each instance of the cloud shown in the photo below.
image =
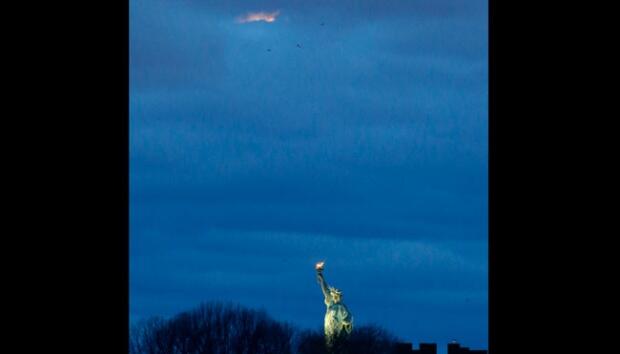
(258, 16)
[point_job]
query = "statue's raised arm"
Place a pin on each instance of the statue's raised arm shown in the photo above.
(324, 286)
(319, 276)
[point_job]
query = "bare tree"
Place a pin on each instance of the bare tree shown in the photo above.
(145, 337)
(216, 328)
(363, 340)
(213, 328)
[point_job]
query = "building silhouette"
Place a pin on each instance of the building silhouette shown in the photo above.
(403, 348)
(455, 348)
(426, 348)
(431, 348)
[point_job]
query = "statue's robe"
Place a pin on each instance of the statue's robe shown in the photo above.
(338, 321)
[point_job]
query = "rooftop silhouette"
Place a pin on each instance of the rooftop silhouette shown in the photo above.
(431, 348)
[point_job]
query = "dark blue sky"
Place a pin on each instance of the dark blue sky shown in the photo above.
(366, 147)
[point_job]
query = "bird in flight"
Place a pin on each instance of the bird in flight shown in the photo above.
(298, 45)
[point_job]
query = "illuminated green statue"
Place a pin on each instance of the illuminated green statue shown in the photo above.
(338, 319)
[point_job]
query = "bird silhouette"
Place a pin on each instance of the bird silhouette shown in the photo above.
(298, 45)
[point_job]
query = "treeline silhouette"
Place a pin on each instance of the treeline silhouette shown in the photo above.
(218, 328)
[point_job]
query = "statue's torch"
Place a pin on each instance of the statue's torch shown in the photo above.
(319, 266)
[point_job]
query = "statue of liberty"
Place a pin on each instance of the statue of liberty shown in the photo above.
(338, 319)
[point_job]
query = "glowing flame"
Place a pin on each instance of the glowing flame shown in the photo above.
(319, 265)
(258, 16)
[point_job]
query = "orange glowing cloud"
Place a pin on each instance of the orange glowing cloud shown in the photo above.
(258, 16)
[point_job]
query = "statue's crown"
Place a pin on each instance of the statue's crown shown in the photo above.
(334, 290)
